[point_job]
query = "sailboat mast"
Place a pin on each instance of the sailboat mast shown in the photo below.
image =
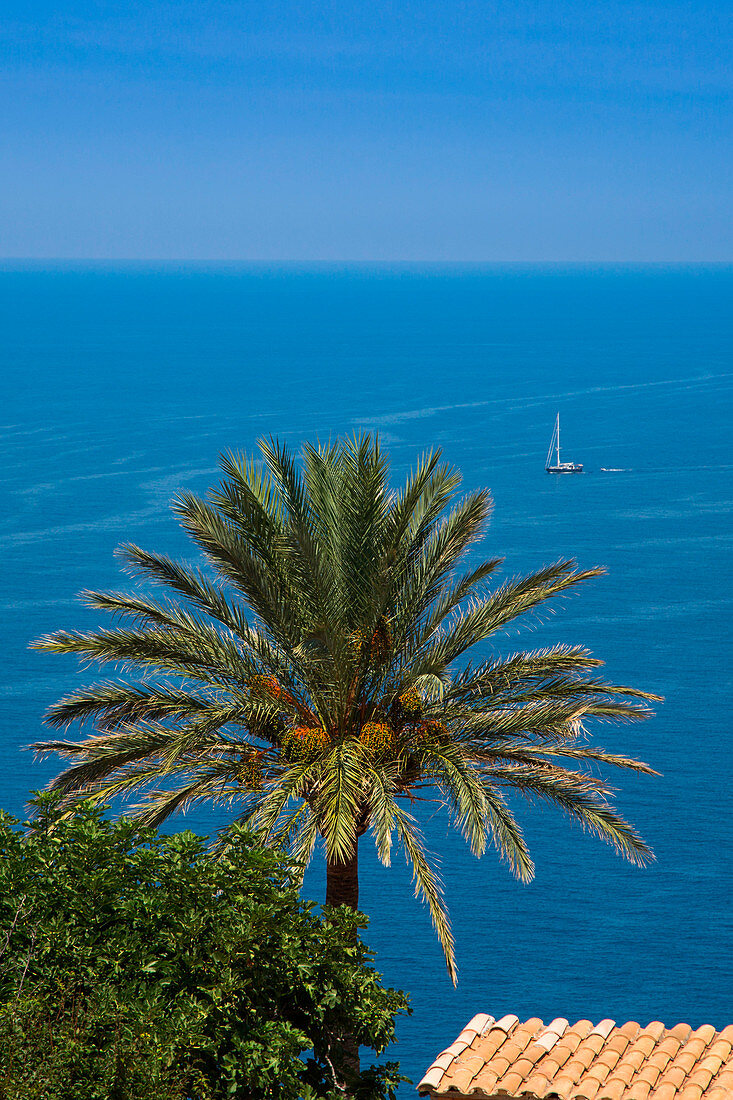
(557, 434)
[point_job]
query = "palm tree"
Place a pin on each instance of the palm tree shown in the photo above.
(309, 677)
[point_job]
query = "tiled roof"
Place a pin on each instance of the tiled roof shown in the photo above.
(583, 1062)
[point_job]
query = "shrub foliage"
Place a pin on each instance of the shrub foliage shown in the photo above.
(135, 966)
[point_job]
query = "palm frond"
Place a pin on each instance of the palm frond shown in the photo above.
(507, 836)
(338, 799)
(427, 885)
(510, 601)
(579, 796)
(201, 652)
(112, 703)
(382, 787)
(456, 776)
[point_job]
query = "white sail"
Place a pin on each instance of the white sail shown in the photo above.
(554, 442)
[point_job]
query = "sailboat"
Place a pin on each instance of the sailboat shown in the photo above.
(556, 466)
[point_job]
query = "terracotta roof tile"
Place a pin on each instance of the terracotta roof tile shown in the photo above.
(551, 1066)
(690, 1055)
(646, 1042)
(511, 1081)
(525, 1064)
(702, 1076)
(674, 1075)
(691, 1092)
(617, 1043)
(553, 1031)
(557, 1057)
(484, 1081)
(720, 1048)
(491, 1042)
(614, 1090)
(665, 1052)
(583, 1062)
(599, 1071)
(465, 1073)
(586, 1090)
(649, 1074)
(639, 1090)
(546, 1071)
(500, 1065)
(575, 1033)
(589, 1088)
(665, 1092)
(480, 1023)
(604, 1063)
(636, 1058)
(670, 1045)
(697, 1042)
(515, 1045)
(715, 1055)
(675, 1043)
(533, 1053)
(624, 1072)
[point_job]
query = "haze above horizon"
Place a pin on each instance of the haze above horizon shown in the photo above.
(431, 131)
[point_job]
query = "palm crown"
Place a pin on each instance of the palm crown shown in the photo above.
(309, 677)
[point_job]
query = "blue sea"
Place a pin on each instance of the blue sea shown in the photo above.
(122, 384)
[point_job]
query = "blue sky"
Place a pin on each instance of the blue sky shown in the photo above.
(299, 130)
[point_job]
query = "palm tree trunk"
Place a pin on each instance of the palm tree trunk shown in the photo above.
(342, 888)
(342, 881)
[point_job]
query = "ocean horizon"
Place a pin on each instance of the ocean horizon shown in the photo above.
(124, 381)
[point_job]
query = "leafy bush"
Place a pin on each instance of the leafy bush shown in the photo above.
(135, 966)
